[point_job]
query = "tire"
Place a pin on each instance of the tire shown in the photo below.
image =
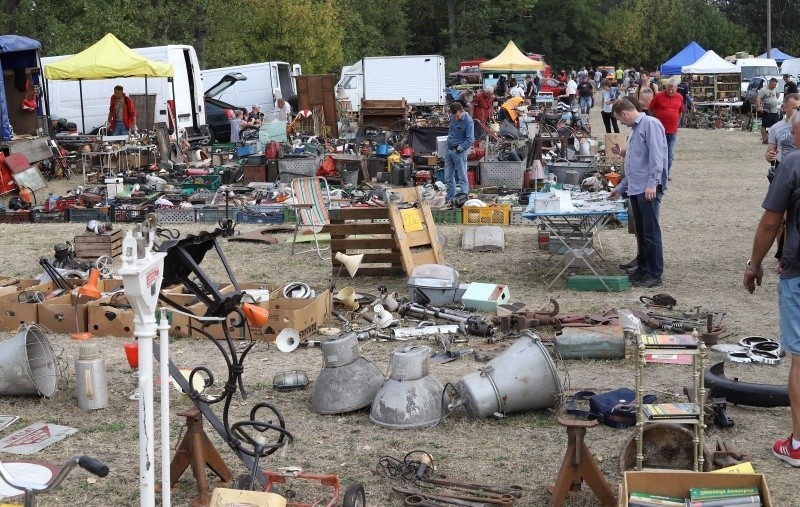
(463, 80)
(354, 496)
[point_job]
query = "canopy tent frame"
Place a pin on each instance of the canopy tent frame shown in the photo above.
(106, 59)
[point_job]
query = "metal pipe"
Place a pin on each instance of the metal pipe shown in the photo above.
(163, 339)
(407, 333)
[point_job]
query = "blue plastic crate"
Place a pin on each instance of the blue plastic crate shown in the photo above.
(83, 215)
(213, 214)
(260, 215)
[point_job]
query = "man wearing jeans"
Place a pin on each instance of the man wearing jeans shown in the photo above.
(645, 181)
(784, 197)
(460, 136)
(121, 113)
(667, 107)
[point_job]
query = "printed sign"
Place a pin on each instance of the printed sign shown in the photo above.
(34, 438)
(412, 220)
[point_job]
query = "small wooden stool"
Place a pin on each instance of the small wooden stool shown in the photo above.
(197, 450)
(578, 466)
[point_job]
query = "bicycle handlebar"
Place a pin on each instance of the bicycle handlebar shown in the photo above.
(93, 466)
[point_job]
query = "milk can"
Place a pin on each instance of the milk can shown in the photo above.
(90, 376)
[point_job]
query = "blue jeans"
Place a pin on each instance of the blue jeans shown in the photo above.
(586, 104)
(455, 172)
(672, 139)
(648, 234)
(789, 305)
(120, 129)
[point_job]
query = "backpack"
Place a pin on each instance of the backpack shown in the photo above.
(615, 408)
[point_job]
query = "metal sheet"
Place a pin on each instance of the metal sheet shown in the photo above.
(487, 238)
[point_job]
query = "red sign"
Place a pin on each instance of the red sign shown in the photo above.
(153, 275)
(29, 436)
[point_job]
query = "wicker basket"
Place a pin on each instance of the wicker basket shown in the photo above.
(300, 166)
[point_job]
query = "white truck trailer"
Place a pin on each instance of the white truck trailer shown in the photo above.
(419, 79)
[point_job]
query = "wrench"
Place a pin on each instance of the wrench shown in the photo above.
(418, 501)
(513, 489)
(426, 501)
(502, 500)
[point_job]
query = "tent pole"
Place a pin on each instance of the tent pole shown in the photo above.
(83, 119)
(146, 103)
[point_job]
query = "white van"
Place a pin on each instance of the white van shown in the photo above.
(264, 83)
(182, 94)
(791, 67)
(754, 67)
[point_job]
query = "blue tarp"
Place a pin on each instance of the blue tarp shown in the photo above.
(777, 55)
(686, 56)
(16, 53)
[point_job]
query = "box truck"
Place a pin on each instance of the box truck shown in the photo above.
(419, 79)
(264, 83)
(182, 95)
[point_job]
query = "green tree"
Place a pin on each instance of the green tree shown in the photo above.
(565, 32)
(375, 28)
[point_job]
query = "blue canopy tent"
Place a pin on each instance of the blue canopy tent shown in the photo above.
(777, 55)
(17, 53)
(686, 56)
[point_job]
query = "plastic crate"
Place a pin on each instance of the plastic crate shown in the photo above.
(502, 173)
(618, 283)
(498, 214)
(83, 215)
(447, 216)
(213, 214)
(48, 217)
(299, 166)
(222, 147)
(175, 215)
(210, 182)
(518, 219)
(289, 215)
(15, 217)
(260, 215)
(120, 214)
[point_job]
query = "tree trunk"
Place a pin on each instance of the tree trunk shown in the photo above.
(451, 24)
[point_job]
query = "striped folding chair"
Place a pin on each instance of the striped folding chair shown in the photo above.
(311, 209)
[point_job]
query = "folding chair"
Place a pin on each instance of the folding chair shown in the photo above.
(311, 209)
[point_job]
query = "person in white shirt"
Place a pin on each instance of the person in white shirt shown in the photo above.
(516, 90)
(283, 111)
(572, 90)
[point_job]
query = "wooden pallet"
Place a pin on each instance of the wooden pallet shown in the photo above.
(365, 231)
(90, 246)
(380, 235)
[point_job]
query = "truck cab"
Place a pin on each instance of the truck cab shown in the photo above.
(757, 67)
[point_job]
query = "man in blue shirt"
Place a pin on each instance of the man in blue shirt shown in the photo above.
(460, 137)
(645, 181)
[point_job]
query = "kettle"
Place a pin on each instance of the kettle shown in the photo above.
(585, 148)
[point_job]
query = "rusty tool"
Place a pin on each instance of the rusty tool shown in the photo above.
(468, 501)
(418, 501)
(512, 490)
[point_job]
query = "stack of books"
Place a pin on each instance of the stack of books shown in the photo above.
(700, 497)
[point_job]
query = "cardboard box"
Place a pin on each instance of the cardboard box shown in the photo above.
(677, 483)
(302, 315)
(104, 320)
(13, 312)
(64, 314)
(485, 296)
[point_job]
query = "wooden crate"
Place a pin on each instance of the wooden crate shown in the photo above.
(90, 246)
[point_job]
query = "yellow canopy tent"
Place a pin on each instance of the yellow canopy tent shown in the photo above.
(511, 59)
(105, 59)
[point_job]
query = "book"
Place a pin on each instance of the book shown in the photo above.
(735, 501)
(659, 500)
(669, 341)
(699, 494)
(662, 411)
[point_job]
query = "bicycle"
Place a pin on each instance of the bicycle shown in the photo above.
(89, 464)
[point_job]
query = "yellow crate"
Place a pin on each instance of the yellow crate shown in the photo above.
(496, 214)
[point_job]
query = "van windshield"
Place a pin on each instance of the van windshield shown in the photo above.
(749, 73)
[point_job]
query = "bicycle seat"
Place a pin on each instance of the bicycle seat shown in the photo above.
(552, 116)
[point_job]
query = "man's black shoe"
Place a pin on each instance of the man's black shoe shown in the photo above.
(647, 282)
(631, 271)
(629, 265)
(636, 275)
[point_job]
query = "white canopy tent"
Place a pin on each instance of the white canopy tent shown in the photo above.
(711, 63)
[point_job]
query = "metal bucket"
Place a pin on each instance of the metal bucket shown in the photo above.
(349, 175)
(28, 364)
(521, 378)
(598, 342)
(561, 166)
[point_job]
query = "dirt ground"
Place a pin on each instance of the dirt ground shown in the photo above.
(709, 215)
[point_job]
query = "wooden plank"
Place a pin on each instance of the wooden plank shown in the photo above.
(430, 227)
(364, 244)
(423, 257)
(418, 238)
(340, 214)
(376, 271)
(349, 228)
(378, 258)
(424, 238)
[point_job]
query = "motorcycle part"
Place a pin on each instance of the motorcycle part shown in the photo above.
(740, 357)
(761, 356)
(751, 341)
(744, 393)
